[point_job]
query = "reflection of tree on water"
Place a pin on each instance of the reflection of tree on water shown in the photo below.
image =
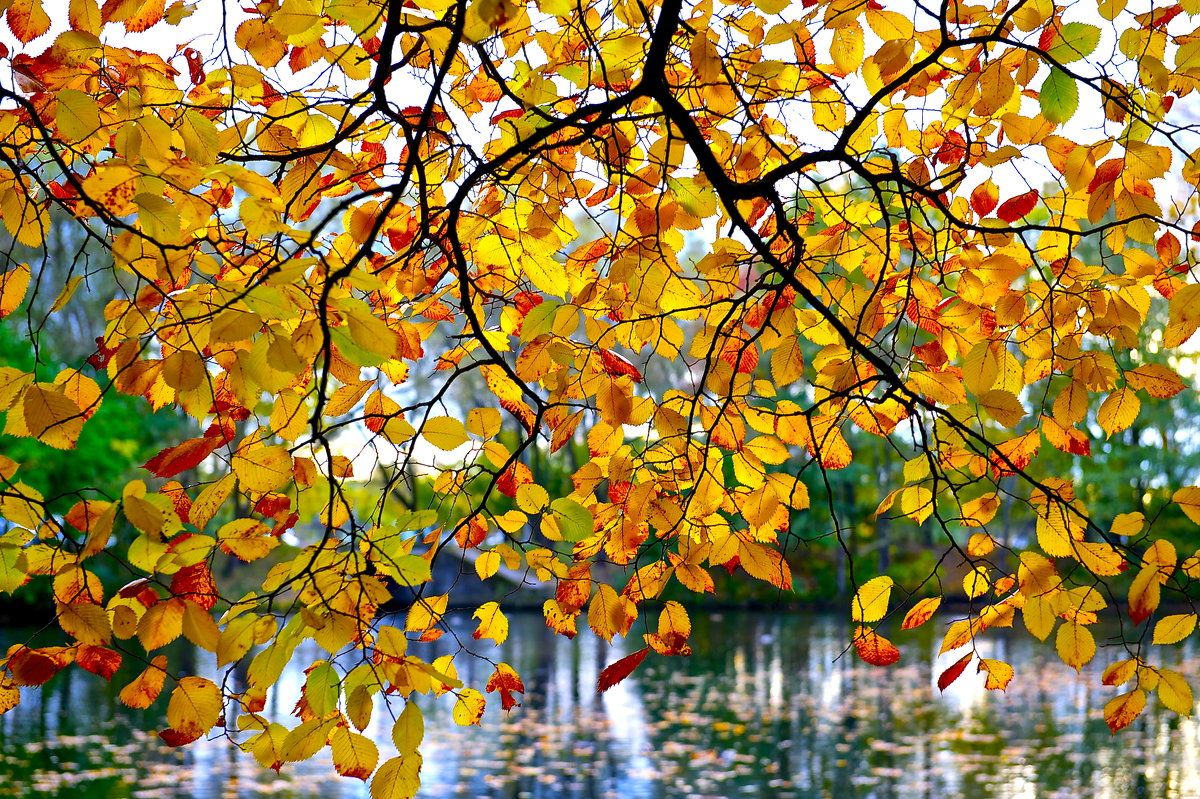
(764, 708)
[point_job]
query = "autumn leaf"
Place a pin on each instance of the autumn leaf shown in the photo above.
(14, 283)
(999, 674)
(194, 708)
(1014, 208)
(1173, 629)
(871, 600)
(874, 648)
(1120, 711)
(595, 320)
(921, 612)
(468, 708)
(507, 682)
(1075, 644)
(618, 670)
(354, 755)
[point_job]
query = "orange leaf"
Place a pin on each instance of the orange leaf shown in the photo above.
(98, 660)
(505, 680)
(921, 612)
(874, 648)
(146, 687)
(984, 198)
(27, 20)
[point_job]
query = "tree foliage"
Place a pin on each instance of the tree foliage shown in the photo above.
(701, 249)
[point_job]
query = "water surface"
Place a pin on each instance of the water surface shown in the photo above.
(768, 706)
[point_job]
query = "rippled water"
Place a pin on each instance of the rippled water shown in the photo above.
(767, 707)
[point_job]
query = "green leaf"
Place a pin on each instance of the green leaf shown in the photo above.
(574, 520)
(1076, 40)
(1059, 97)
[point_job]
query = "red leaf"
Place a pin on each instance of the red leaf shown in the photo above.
(142, 590)
(188, 455)
(951, 674)
(172, 737)
(1014, 208)
(36, 666)
(513, 113)
(273, 505)
(616, 365)
(615, 672)
(526, 301)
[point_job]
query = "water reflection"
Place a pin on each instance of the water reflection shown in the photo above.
(767, 707)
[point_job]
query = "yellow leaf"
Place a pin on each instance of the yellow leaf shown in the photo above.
(999, 674)
(493, 624)
(871, 600)
(980, 545)
(78, 115)
(84, 15)
(917, 503)
(484, 422)
(1121, 710)
(307, 739)
(978, 512)
(201, 142)
(398, 778)
(976, 583)
(13, 285)
(1118, 411)
(86, 622)
(444, 432)
(1120, 672)
(1039, 617)
(263, 469)
(409, 729)
(1128, 524)
(1075, 644)
(1157, 379)
(921, 612)
(1173, 629)
(1188, 499)
(161, 624)
(469, 707)
(487, 564)
(145, 688)
(267, 746)
(194, 708)
(354, 755)
(246, 539)
(1175, 693)
(51, 417)
(1003, 406)
(847, 47)
(426, 612)
(787, 361)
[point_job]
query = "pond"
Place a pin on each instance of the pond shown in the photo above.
(768, 706)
